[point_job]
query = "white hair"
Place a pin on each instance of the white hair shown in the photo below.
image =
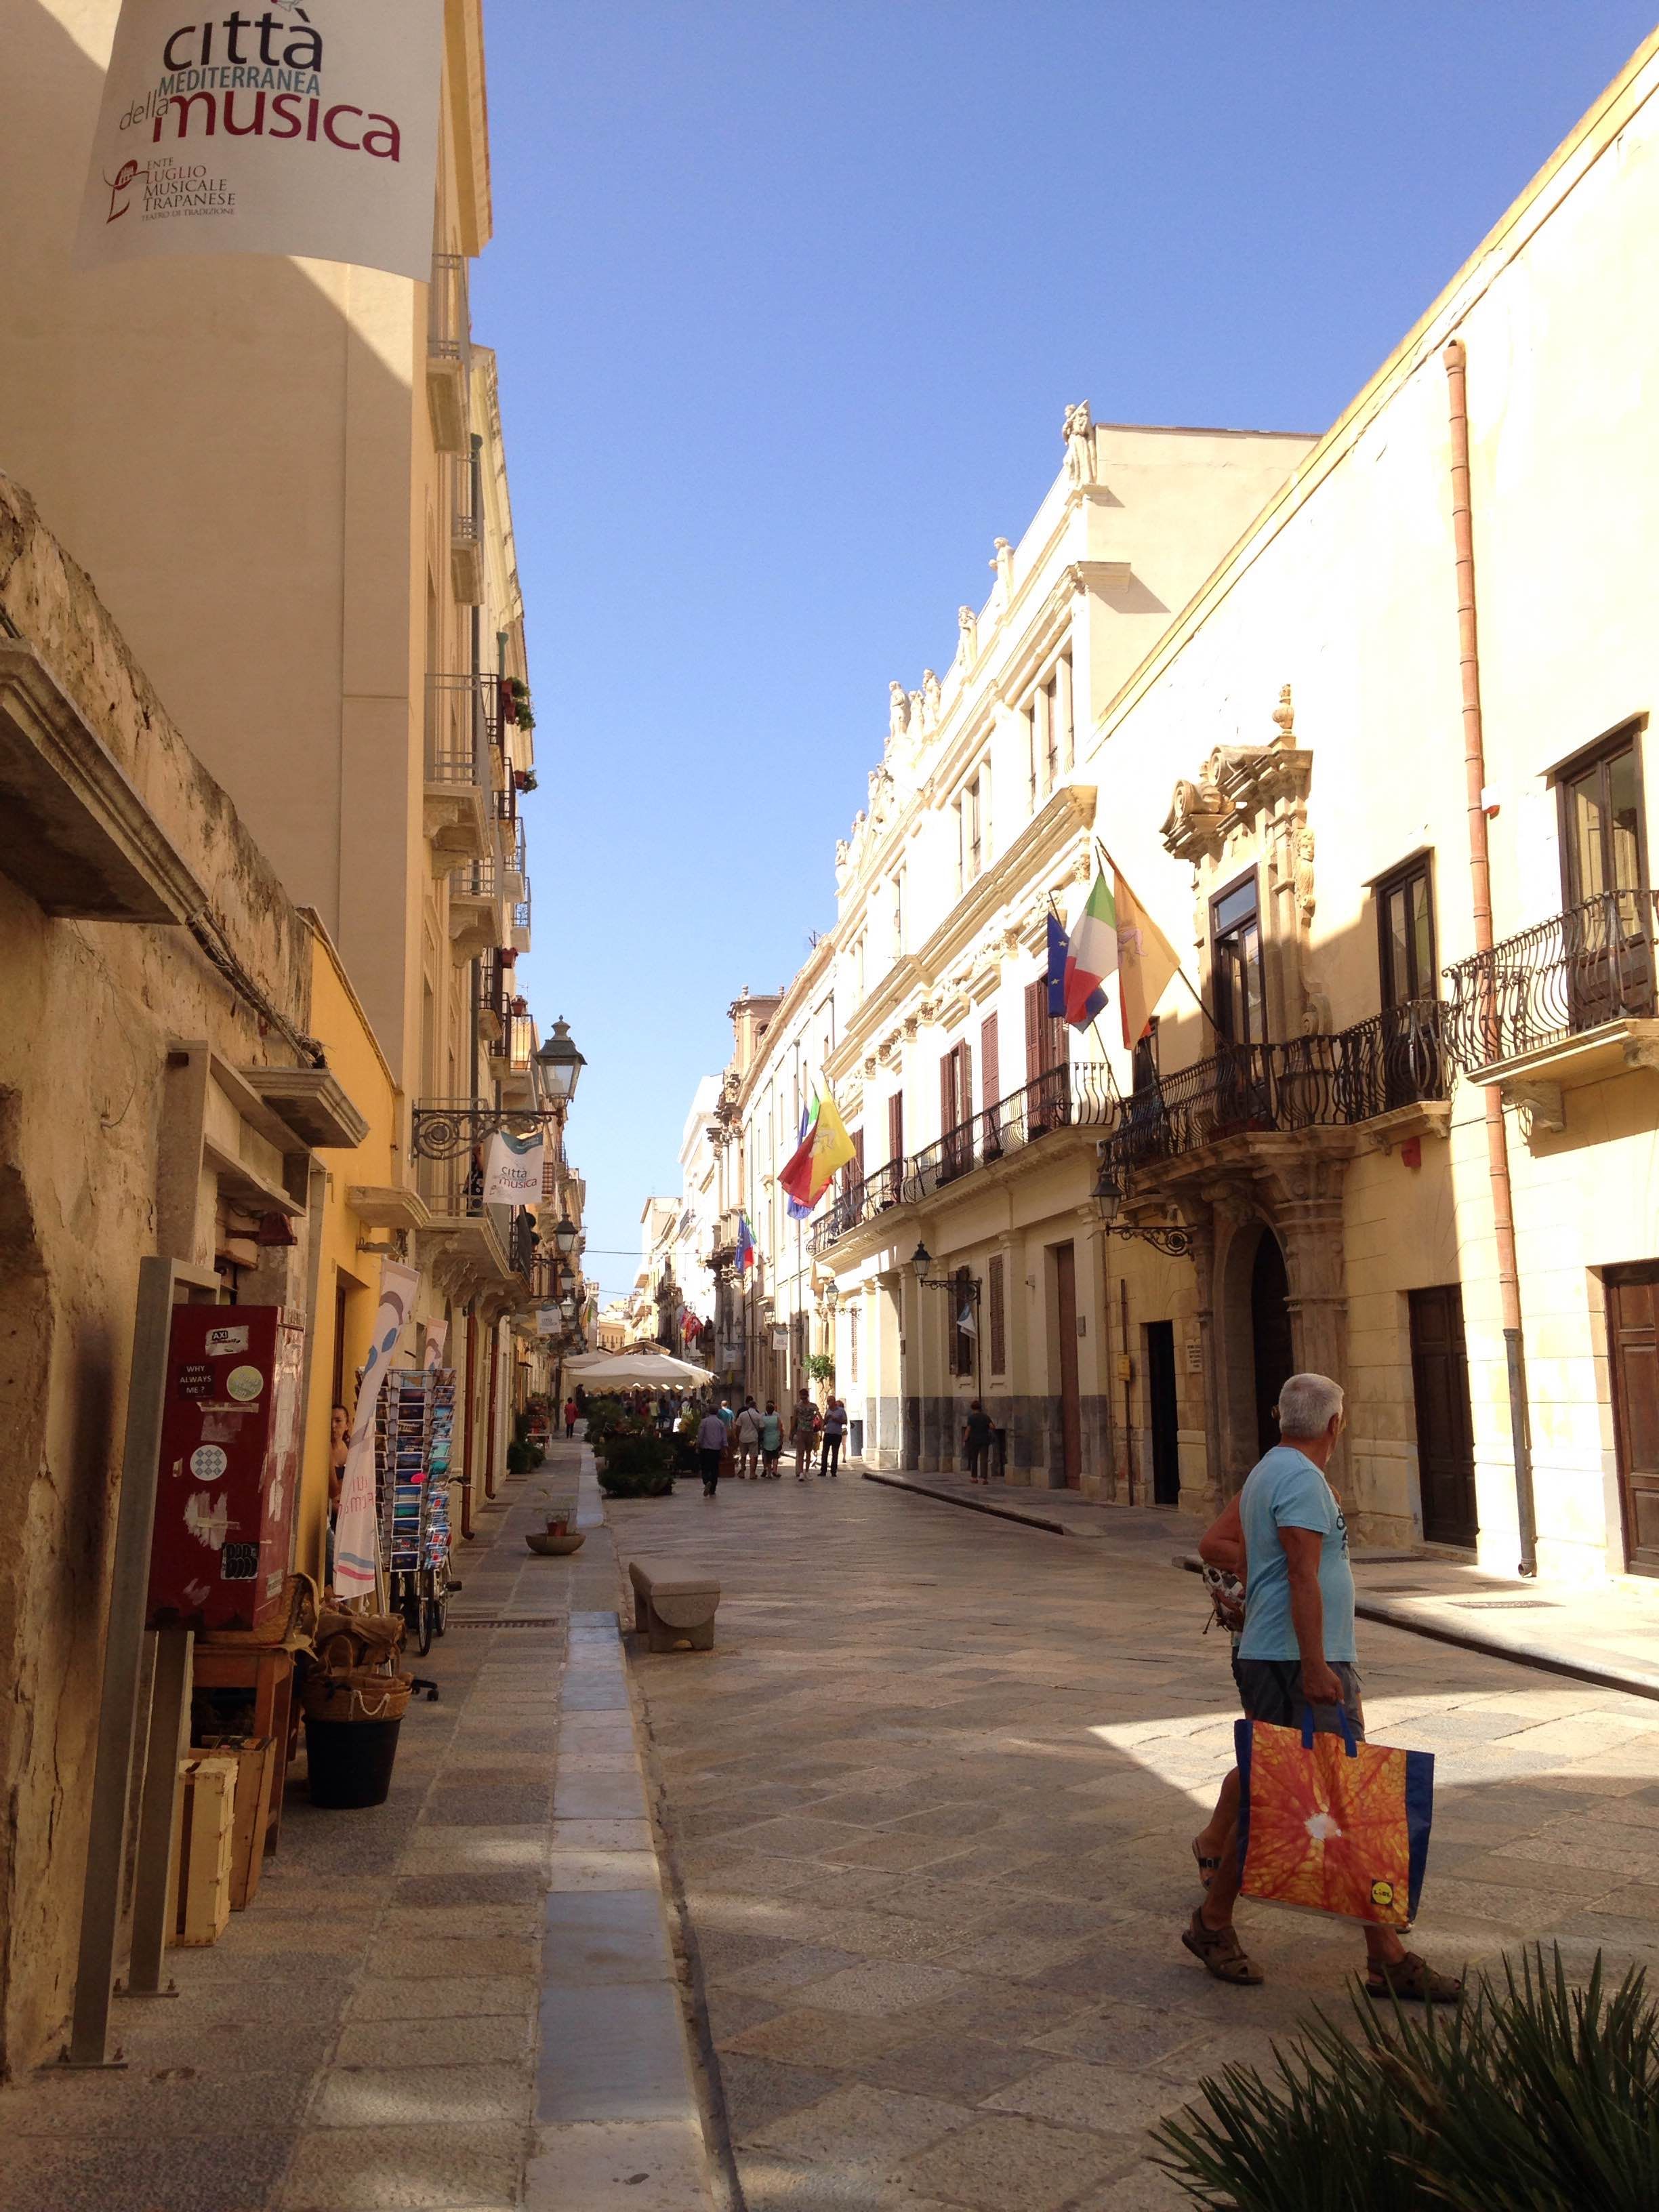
(1308, 1404)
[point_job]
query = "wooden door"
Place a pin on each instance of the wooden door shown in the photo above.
(956, 1107)
(1047, 1075)
(1161, 1413)
(1445, 1427)
(1071, 1412)
(1270, 1336)
(1633, 1341)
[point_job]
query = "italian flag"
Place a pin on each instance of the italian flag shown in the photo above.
(1092, 955)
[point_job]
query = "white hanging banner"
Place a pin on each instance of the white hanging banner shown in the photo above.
(548, 1320)
(285, 129)
(357, 1546)
(437, 1337)
(512, 1169)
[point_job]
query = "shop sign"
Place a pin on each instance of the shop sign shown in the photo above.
(308, 130)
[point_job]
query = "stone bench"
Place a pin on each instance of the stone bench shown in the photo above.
(674, 1605)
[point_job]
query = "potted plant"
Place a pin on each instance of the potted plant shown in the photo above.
(519, 1006)
(508, 956)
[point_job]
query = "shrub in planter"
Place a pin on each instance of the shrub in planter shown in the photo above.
(643, 1482)
(519, 1459)
(1528, 2095)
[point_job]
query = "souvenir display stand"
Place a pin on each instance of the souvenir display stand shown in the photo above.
(413, 1424)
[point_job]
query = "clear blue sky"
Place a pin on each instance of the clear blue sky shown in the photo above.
(789, 298)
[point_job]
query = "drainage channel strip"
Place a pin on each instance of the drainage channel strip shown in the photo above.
(506, 1620)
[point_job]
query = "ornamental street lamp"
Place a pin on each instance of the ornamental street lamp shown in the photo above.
(922, 1260)
(1173, 1244)
(565, 1236)
(559, 1066)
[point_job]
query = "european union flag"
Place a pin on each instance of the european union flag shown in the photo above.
(1059, 947)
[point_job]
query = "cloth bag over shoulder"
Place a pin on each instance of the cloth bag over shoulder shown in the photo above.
(1331, 1824)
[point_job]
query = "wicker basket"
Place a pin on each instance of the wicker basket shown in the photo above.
(357, 1693)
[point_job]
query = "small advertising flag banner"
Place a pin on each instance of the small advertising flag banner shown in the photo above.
(547, 1320)
(308, 130)
(512, 1169)
(356, 1548)
(437, 1337)
(1333, 1824)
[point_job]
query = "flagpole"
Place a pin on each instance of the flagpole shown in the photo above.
(1197, 999)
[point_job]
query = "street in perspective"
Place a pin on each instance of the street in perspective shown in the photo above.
(936, 1490)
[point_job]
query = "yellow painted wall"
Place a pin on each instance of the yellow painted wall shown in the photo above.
(339, 1021)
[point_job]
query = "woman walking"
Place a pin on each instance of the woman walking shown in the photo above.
(746, 1436)
(835, 1428)
(803, 1432)
(771, 1443)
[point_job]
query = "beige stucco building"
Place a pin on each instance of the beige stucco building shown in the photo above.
(1266, 674)
(289, 479)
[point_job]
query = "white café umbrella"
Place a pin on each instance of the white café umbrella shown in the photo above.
(636, 1367)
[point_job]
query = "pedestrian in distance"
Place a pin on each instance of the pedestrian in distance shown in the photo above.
(711, 1451)
(803, 1431)
(835, 1428)
(771, 1443)
(570, 1417)
(977, 1434)
(746, 1435)
(1298, 1652)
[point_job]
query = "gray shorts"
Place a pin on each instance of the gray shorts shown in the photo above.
(1271, 1690)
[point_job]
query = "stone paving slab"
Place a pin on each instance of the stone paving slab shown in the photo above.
(463, 2001)
(929, 1802)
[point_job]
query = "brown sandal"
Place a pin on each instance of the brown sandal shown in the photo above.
(1219, 1952)
(1413, 1980)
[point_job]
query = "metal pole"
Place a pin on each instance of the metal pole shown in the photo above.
(169, 1738)
(101, 1898)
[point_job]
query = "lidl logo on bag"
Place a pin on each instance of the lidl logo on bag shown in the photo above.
(1381, 1893)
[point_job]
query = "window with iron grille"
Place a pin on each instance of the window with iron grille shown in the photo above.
(853, 1346)
(995, 1298)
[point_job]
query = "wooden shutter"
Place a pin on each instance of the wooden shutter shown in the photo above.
(895, 1126)
(998, 1317)
(1036, 1022)
(990, 1067)
(947, 1093)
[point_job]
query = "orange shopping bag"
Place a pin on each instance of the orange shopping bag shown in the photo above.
(1333, 1824)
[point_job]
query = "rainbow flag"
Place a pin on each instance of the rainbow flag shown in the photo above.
(824, 1146)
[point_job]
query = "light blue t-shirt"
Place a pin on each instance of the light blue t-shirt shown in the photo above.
(1286, 1490)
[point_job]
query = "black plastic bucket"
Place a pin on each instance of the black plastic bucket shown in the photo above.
(349, 1762)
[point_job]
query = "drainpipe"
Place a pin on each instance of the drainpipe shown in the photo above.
(466, 1440)
(1474, 767)
(490, 1426)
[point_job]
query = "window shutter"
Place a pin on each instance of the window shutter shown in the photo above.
(947, 1084)
(990, 1067)
(999, 1317)
(856, 1163)
(895, 1126)
(1036, 1022)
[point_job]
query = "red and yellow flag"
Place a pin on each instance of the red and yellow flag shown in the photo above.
(825, 1147)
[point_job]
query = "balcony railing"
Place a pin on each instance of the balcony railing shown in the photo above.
(1397, 1058)
(477, 876)
(460, 729)
(1592, 965)
(464, 524)
(522, 1244)
(449, 313)
(1064, 1098)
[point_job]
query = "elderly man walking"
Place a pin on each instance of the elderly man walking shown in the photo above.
(1298, 1650)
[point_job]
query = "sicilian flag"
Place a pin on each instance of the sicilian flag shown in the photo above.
(809, 1115)
(1146, 963)
(746, 1244)
(1092, 955)
(824, 1147)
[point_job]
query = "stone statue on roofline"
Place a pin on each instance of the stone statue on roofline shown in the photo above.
(1078, 432)
(1002, 561)
(898, 711)
(930, 700)
(967, 636)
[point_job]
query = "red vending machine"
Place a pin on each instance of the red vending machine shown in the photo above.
(230, 1468)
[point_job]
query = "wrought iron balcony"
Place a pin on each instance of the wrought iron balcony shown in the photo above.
(1579, 970)
(1397, 1058)
(448, 351)
(1064, 1097)
(460, 729)
(522, 1244)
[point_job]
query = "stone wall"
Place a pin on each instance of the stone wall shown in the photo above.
(87, 1012)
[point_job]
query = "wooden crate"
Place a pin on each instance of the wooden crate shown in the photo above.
(205, 1828)
(256, 1766)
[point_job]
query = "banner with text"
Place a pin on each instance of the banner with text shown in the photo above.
(301, 128)
(512, 1169)
(356, 1541)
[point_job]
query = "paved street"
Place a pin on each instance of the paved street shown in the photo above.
(931, 1801)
